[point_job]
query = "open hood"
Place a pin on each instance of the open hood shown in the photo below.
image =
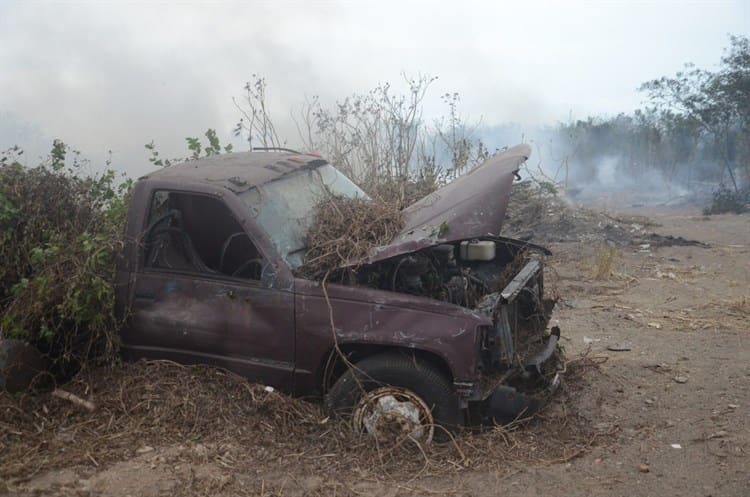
(471, 206)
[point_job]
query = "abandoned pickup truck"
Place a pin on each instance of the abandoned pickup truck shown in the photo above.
(208, 275)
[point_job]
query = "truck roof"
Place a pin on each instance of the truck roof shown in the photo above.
(237, 171)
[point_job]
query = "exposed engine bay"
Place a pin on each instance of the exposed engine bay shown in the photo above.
(499, 277)
(461, 273)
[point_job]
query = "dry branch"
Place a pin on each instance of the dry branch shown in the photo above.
(344, 230)
(207, 414)
(75, 399)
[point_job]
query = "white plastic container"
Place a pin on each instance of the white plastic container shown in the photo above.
(477, 250)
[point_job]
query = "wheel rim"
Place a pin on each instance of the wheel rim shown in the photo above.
(394, 412)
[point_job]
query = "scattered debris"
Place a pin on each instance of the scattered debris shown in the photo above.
(739, 306)
(680, 379)
(672, 241)
(75, 399)
(718, 434)
(540, 215)
(643, 468)
(619, 347)
(675, 446)
(205, 413)
(658, 368)
(668, 275)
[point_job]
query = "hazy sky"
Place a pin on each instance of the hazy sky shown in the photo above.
(115, 75)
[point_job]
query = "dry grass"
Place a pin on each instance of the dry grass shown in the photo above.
(603, 265)
(344, 230)
(217, 418)
(740, 306)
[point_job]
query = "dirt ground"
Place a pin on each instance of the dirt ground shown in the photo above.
(658, 406)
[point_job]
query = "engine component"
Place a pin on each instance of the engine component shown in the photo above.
(477, 250)
(408, 274)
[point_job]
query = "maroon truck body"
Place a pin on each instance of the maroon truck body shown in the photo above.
(205, 278)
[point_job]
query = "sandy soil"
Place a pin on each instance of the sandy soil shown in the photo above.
(669, 328)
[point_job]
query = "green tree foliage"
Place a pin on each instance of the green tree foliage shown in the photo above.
(696, 129)
(194, 146)
(61, 231)
(638, 142)
(718, 103)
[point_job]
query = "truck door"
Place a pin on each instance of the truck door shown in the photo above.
(201, 293)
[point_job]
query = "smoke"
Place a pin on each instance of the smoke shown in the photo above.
(614, 185)
(604, 179)
(104, 76)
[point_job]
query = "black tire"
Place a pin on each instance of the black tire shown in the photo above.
(398, 370)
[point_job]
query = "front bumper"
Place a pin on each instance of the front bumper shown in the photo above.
(506, 403)
(520, 364)
(517, 392)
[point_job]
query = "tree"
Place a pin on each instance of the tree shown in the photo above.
(718, 102)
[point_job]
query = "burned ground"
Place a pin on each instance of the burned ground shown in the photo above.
(538, 215)
(656, 407)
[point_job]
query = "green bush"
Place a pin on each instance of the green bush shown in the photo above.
(60, 233)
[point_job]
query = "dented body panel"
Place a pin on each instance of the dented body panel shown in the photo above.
(240, 326)
(362, 316)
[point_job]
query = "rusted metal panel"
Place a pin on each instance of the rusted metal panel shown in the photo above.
(237, 171)
(529, 271)
(471, 206)
(241, 326)
(373, 317)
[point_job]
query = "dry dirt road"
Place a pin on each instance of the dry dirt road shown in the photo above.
(664, 399)
(680, 394)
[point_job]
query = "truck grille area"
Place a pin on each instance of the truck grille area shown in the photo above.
(520, 318)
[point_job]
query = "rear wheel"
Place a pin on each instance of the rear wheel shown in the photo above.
(394, 395)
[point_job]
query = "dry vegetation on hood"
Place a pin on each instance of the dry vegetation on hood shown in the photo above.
(344, 230)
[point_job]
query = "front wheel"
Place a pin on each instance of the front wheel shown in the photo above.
(395, 395)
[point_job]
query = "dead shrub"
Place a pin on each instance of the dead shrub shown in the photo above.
(344, 230)
(603, 267)
(166, 413)
(725, 200)
(401, 192)
(740, 305)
